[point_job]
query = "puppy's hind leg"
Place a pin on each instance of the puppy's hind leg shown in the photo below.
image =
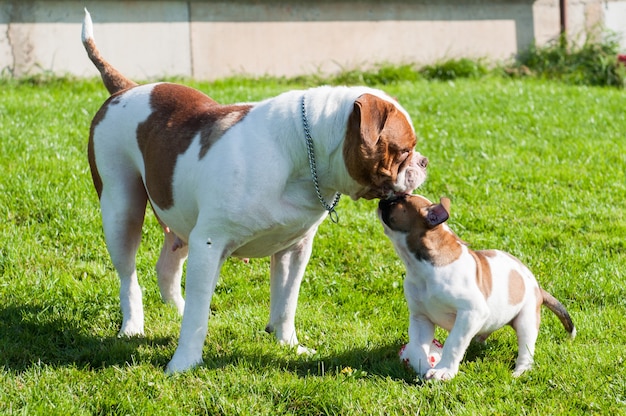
(526, 326)
(123, 205)
(169, 269)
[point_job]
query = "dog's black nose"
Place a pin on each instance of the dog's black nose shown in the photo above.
(385, 206)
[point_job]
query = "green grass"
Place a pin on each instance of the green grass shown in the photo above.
(532, 167)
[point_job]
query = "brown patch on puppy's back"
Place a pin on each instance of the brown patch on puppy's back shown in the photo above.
(483, 271)
(516, 287)
(179, 113)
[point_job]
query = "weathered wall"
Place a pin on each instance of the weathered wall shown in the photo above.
(615, 20)
(209, 39)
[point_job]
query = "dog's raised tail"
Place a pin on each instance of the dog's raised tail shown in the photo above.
(113, 80)
(559, 310)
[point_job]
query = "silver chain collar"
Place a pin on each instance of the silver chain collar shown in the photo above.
(334, 217)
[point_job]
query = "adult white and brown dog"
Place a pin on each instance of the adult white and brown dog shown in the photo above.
(468, 293)
(244, 180)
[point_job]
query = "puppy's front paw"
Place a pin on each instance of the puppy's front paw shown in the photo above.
(404, 356)
(440, 374)
(434, 355)
(413, 359)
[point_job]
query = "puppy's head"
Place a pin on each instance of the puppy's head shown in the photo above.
(412, 214)
(379, 149)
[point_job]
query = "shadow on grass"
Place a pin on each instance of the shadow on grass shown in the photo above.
(31, 336)
(379, 361)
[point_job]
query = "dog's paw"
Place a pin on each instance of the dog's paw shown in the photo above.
(179, 304)
(302, 350)
(434, 355)
(519, 370)
(131, 329)
(442, 374)
(179, 364)
(404, 356)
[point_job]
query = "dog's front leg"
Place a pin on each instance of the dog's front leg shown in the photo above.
(421, 333)
(286, 270)
(466, 325)
(206, 257)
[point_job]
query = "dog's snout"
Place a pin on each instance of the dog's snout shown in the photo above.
(422, 162)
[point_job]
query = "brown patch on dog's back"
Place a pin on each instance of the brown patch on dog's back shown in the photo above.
(225, 118)
(516, 287)
(179, 113)
(483, 271)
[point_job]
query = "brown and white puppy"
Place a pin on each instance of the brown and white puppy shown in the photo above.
(235, 180)
(468, 293)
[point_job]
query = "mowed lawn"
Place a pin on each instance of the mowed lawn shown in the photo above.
(534, 168)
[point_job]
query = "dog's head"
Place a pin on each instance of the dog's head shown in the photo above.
(412, 214)
(417, 230)
(379, 149)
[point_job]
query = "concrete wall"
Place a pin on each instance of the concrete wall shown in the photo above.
(615, 20)
(209, 39)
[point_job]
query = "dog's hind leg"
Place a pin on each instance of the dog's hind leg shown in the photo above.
(526, 326)
(169, 269)
(123, 204)
(286, 270)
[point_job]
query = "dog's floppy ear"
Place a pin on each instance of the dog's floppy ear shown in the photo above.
(439, 213)
(368, 116)
(361, 147)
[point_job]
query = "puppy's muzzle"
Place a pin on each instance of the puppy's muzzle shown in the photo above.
(385, 206)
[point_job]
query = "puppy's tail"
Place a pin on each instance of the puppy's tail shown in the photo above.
(113, 80)
(559, 310)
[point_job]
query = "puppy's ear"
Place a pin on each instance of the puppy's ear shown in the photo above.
(445, 202)
(437, 214)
